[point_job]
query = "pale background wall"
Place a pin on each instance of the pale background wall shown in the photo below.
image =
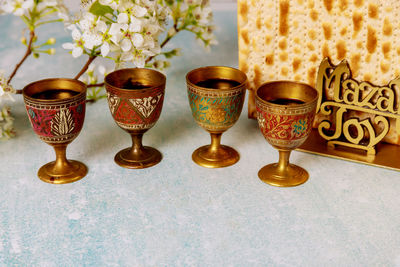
(223, 4)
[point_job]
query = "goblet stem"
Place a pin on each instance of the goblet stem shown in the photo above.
(61, 164)
(215, 155)
(137, 151)
(138, 156)
(283, 160)
(283, 173)
(215, 142)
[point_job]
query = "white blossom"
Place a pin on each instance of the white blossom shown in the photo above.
(123, 18)
(111, 3)
(17, 7)
(43, 4)
(63, 13)
(202, 14)
(77, 45)
(6, 123)
(6, 90)
(129, 34)
(128, 31)
(102, 70)
(25, 7)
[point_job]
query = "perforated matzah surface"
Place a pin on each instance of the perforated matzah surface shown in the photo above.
(287, 40)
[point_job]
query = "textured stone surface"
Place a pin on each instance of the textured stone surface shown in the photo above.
(177, 213)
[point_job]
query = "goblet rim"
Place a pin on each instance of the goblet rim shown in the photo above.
(206, 89)
(162, 83)
(306, 104)
(51, 101)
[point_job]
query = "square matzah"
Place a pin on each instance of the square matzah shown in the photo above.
(287, 40)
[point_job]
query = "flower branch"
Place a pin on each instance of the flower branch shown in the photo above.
(85, 67)
(127, 32)
(27, 53)
(33, 13)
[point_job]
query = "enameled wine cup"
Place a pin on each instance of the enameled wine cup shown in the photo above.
(56, 110)
(216, 95)
(285, 114)
(135, 98)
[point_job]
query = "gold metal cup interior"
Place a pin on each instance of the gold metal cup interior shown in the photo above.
(137, 156)
(216, 155)
(62, 170)
(283, 173)
(147, 77)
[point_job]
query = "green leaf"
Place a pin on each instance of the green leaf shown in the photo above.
(98, 9)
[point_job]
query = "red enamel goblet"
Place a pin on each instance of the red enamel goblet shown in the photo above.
(285, 114)
(135, 98)
(56, 110)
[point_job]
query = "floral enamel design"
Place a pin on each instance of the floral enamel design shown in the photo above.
(113, 102)
(146, 105)
(299, 127)
(216, 115)
(62, 123)
(215, 111)
(261, 120)
(284, 127)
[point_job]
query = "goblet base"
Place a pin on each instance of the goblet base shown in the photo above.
(75, 172)
(293, 175)
(148, 157)
(224, 156)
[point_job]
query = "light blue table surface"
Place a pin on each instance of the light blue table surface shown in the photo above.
(177, 213)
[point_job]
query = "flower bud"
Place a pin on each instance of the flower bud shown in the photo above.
(157, 64)
(178, 52)
(51, 41)
(23, 40)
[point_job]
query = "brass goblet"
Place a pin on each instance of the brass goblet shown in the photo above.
(216, 95)
(56, 110)
(135, 98)
(285, 114)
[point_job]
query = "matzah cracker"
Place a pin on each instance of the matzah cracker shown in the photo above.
(287, 40)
